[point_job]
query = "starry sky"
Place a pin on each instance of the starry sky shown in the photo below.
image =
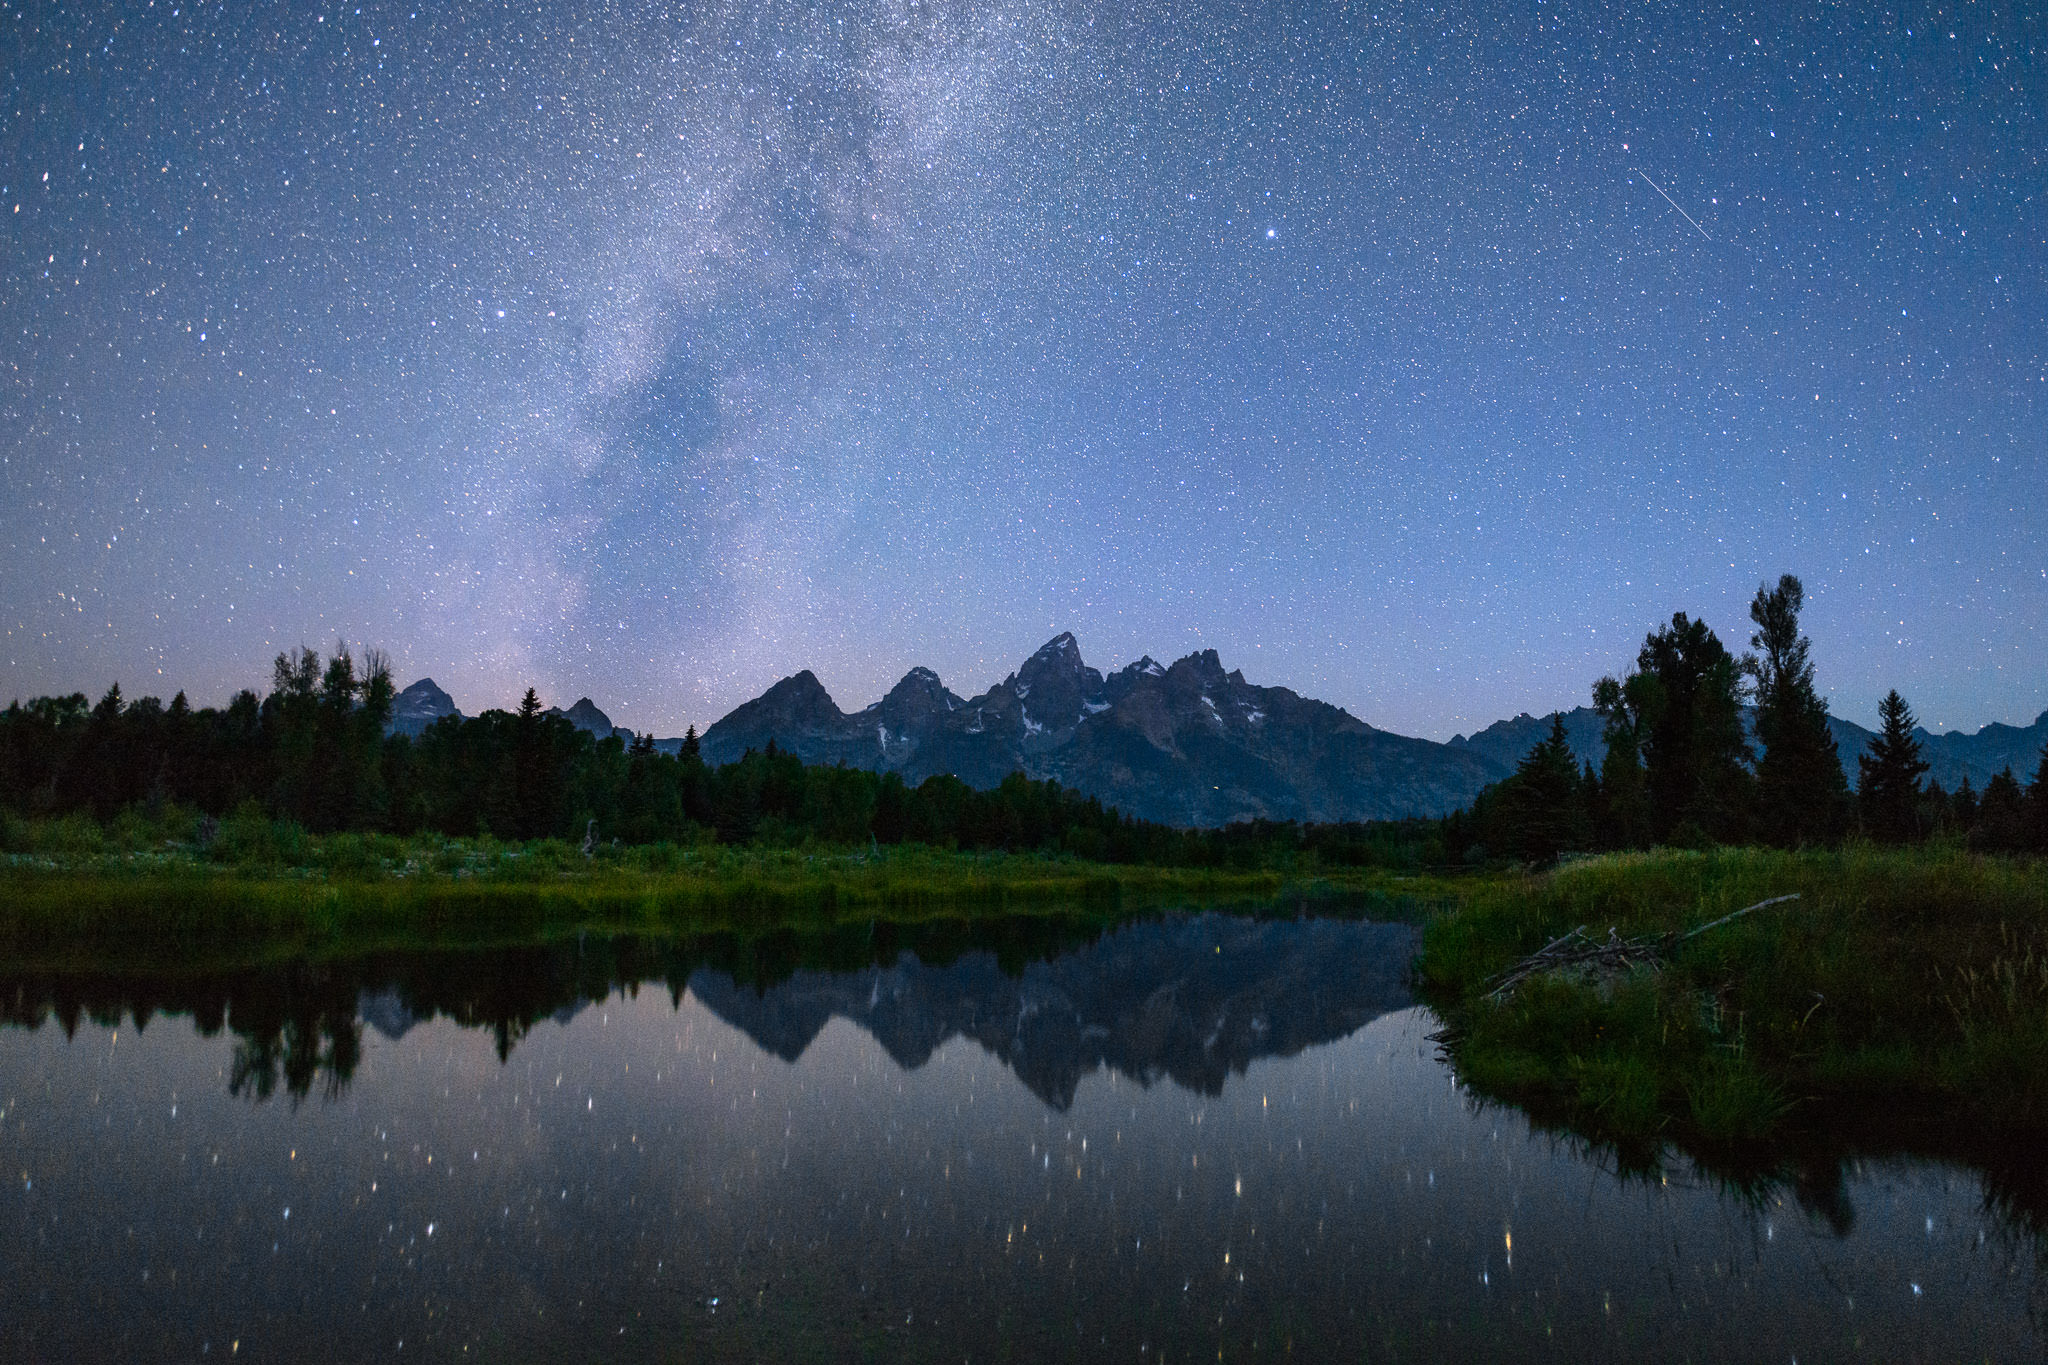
(1417, 357)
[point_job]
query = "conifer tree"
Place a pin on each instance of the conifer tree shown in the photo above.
(1542, 810)
(1802, 795)
(1684, 704)
(1624, 800)
(1888, 775)
(2001, 816)
(1962, 806)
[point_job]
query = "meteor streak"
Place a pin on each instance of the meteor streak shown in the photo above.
(1673, 202)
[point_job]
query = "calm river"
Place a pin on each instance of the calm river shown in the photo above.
(1179, 1140)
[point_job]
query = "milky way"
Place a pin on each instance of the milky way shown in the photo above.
(654, 353)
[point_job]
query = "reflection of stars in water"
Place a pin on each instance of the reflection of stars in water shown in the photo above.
(857, 338)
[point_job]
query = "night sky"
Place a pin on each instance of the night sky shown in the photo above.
(657, 352)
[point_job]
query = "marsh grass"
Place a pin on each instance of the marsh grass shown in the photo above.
(150, 891)
(1904, 986)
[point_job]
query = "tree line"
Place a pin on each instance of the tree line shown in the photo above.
(1681, 768)
(314, 752)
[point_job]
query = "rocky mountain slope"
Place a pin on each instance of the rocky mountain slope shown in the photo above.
(1186, 744)
(417, 707)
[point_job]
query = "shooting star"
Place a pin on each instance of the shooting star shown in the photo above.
(1673, 202)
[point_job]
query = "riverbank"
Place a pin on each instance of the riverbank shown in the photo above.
(1904, 987)
(98, 901)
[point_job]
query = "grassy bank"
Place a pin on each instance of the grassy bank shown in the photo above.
(80, 895)
(1904, 988)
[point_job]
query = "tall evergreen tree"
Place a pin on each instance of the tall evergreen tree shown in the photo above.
(1683, 707)
(1962, 807)
(2001, 816)
(530, 798)
(1541, 810)
(1888, 775)
(1624, 799)
(1802, 794)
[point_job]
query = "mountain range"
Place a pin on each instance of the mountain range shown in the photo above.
(1183, 744)
(1188, 743)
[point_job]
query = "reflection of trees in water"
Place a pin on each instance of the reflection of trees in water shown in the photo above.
(328, 1047)
(1814, 1174)
(301, 1024)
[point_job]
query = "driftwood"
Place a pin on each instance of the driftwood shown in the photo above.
(1578, 951)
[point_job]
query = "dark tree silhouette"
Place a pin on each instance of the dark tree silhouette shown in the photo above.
(1888, 775)
(1684, 705)
(2001, 825)
(1624, 799)
(1542, 808)
(1802, 795)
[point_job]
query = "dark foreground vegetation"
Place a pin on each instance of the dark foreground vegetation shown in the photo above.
(1904, 993)
(1901, 998)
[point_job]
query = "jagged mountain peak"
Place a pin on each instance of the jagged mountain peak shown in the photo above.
(1063, 647)
(418, 707)
(918, 681)
(917, 698)
(800, 686)
(1205, 664)
(584, 715)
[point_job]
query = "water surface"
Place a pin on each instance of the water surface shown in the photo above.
(1177, 1138)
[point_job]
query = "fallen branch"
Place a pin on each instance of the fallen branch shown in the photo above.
(1609, 957)
(1737, 915)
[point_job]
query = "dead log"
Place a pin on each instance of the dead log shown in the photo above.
(1612, 956)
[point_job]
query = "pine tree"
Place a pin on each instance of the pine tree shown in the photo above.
(1625, 801)
(1686, 700)
(693, 748)
(531, 803)
(1802, 795)
(1542, 810)
(2001, 816)
(1962, 807)
(1888, 775)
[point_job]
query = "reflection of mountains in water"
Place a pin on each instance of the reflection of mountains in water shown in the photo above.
(1191, 999)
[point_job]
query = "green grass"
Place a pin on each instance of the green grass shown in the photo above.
(1906, 987)
(78, 895)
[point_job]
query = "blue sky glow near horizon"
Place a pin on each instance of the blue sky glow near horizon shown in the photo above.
(654, 352)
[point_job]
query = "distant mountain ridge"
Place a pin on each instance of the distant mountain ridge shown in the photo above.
(1186, 744)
